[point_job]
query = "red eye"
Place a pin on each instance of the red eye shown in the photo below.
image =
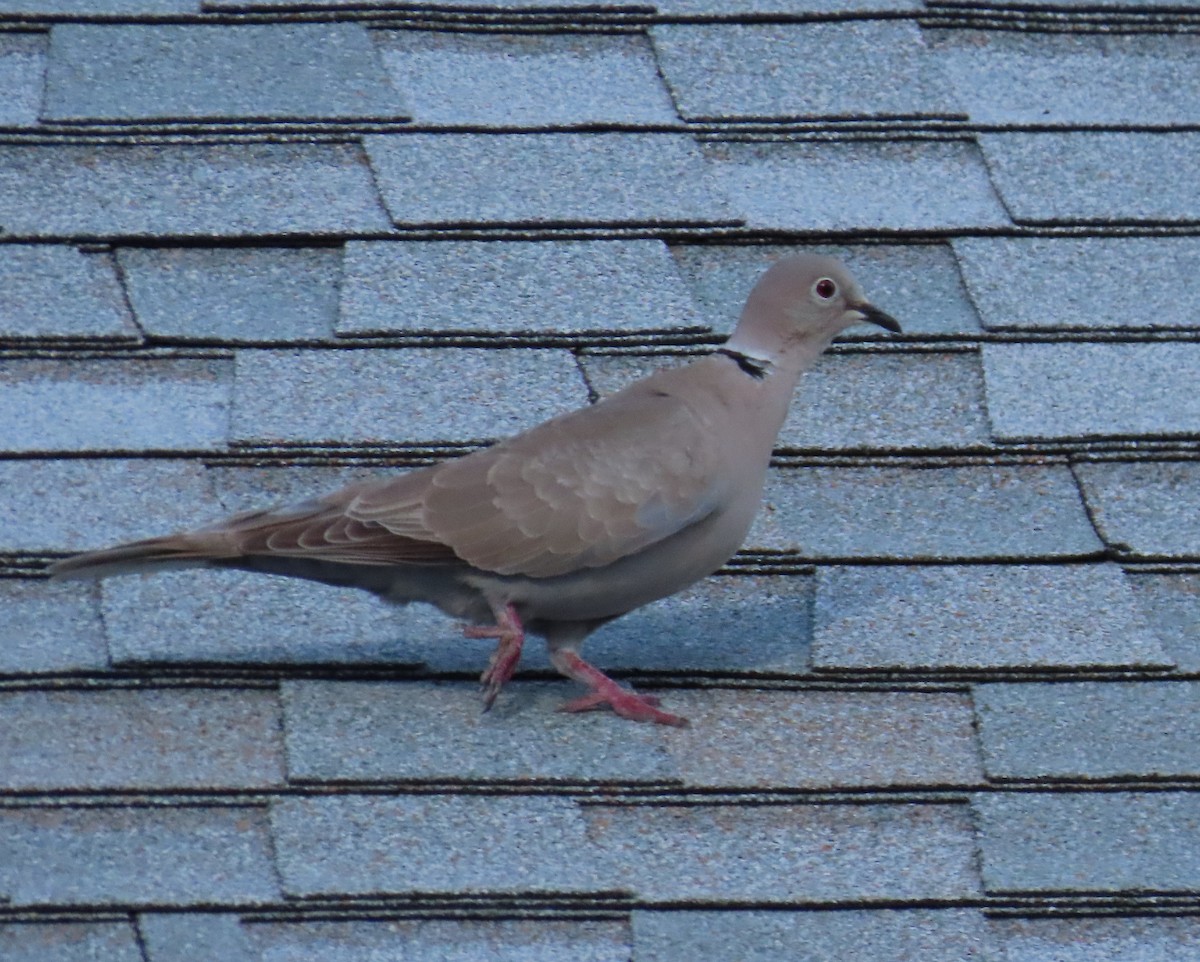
(825, 288)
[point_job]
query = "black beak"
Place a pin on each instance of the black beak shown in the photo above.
(874, 315)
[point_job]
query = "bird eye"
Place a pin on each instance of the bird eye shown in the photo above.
(825, 288)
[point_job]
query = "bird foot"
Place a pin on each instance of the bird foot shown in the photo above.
(626, 702)
(504, 660)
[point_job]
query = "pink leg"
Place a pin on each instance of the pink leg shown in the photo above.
(503, 663)
(604, 691)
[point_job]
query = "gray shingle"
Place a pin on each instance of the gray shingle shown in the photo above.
(233, 294)
(188, 936)
(233, 617)
(69, 942)
(425, 731)
(22, 67)
(1150, 508)
(882, 186)
(81, 504)
(50, 627)
(518, 286)
(1089, 842)
(910, 935)
(1097, 939)
(135, 854)
(348, 845)
(924, 513)
(919, 284)
(115, 405)
(1170, 604)
(758, 625)
(1047, 79)
(393, 396)
(1092, 283)
(1096, 177)
(979, 617)
(249, 488)
(444, 940)
(42, 8)
(784, 854)
(545, 180)
(151, 738)
(169, 190)
(855, 68)
(526, 80)
(459, 6)
(862, 401)
(124, 72)
(1039, 391)
(59, 291)
(784, 7)
(1090, 729)
(823, 739)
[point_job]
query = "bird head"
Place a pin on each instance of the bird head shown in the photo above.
(801, 304)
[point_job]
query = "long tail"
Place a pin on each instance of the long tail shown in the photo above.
(184, 550)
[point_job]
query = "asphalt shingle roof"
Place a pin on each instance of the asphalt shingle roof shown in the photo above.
(944, 702)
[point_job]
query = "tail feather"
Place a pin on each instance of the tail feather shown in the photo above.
(188, 550)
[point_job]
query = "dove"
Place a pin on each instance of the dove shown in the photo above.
(570, 524)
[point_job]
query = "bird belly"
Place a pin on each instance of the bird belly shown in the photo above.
(597, 594)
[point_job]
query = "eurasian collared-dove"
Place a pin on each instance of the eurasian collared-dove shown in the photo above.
(571, 523)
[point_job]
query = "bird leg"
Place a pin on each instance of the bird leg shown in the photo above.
(503, 663)
(604, 691)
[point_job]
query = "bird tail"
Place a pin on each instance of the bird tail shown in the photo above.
(185, 550)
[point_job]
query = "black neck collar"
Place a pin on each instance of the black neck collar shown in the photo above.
(753, 366)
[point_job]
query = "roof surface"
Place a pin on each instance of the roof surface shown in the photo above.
(945, 703)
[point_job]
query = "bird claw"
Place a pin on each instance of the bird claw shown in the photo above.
(504, 660)
(627, 704)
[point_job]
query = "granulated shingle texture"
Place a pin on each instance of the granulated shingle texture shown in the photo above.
(348, 845)
(233, 294)
(520, 287)
(916, 186)
(22, 64)
(186, 190)
(948, 935)
(410, 395)
(1089, 729)
(69, 942)
(75, 504)
(979, 616)
(851, 69)
(1053, 79)
(883, 513)
(1150, 508)
(786, 854)
(602, 179)
(1047, 842)
(123, 72)
(135, 855)
(460, 940)
(60, 291)
(50, 627)
(1134, 282)
(1092, 390)
(1091, 177)
(526, 80)
(115, 405)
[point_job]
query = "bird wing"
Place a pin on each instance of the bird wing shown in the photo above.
(579, 491)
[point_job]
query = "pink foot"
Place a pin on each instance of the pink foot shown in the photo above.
(503, 663)
(606, 692)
